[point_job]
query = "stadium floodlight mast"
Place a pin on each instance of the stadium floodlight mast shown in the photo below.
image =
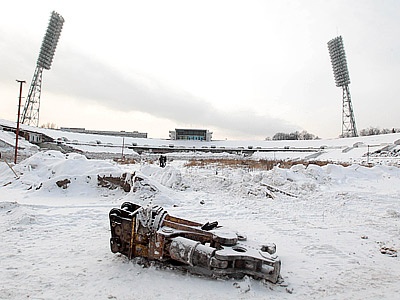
(30, 114)
(342, 79)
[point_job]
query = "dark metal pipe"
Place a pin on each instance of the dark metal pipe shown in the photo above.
(19, 113)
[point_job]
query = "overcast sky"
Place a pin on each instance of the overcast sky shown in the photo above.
(242, 69)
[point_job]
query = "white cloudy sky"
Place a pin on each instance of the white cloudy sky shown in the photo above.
(242, 69)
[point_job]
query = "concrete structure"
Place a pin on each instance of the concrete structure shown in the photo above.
(29, 135)
(34, 137)
(133, 134)
(191, 134)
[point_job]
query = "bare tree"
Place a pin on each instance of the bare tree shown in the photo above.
(49, 125)
(304, 135)
(375, 131)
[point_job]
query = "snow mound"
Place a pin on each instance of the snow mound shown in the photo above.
(17, 215)
(43, 172)
(297, 181)
(168, 176)
(147, 191)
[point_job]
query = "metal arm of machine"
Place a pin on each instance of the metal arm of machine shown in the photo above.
(206, 249)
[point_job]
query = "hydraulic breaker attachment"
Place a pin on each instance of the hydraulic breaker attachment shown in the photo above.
(201, 248)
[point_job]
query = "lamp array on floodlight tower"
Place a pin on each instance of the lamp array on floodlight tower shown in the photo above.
(30, 114)
(342, 79)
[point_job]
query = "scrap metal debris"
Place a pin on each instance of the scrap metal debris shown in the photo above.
(390, 251)
(16, 175)
(124, 181)
(62, 183)
(204, 249)
(277, 190)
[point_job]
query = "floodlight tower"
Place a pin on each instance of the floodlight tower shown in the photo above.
(30, 114)
(342, 79)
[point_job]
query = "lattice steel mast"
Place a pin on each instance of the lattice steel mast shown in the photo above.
(342, 79)
(30, 114)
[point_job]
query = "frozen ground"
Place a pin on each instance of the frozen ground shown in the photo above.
(337, 239)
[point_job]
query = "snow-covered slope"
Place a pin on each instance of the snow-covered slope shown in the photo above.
(353, 150)
(8, 139)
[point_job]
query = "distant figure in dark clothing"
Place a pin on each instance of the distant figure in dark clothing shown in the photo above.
(163, 161)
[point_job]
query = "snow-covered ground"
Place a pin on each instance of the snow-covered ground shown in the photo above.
(337, 236)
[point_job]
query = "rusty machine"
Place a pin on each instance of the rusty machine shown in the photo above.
(151, 233)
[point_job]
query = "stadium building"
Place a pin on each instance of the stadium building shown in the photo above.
(191, 135)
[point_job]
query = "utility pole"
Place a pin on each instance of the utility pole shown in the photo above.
(123, 146)
(19, 113)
